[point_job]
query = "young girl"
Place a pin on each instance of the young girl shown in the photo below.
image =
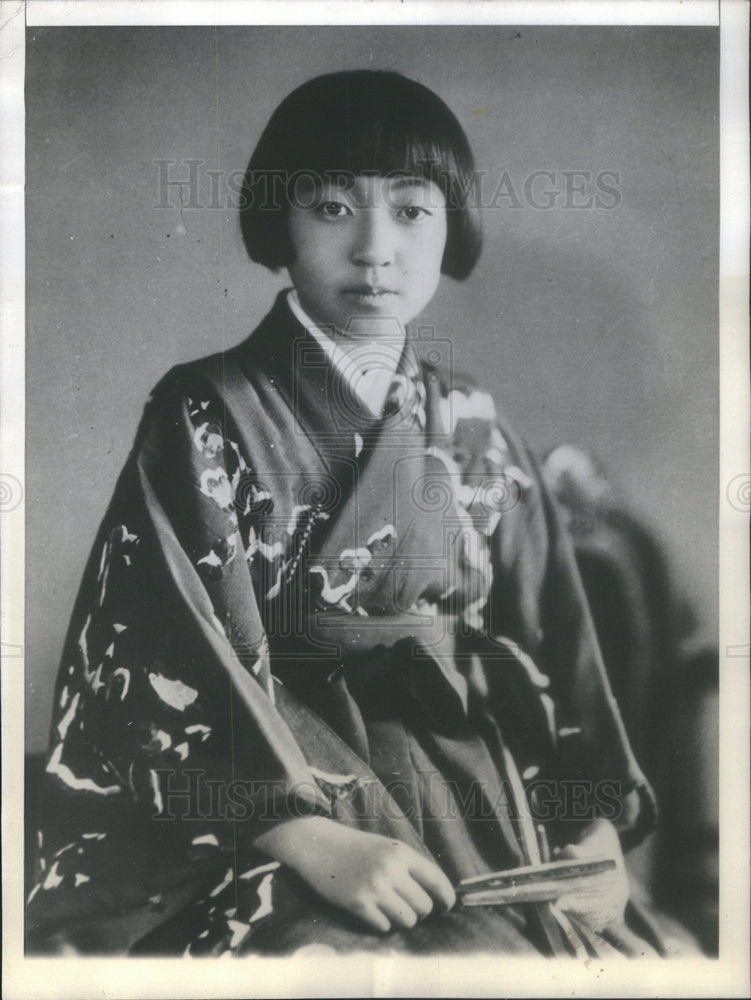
(331, 655)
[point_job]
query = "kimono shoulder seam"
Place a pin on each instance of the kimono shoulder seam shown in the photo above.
(192, 378)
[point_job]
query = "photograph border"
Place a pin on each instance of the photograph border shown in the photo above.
(384, 975)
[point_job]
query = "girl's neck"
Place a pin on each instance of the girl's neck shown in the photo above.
(364, 337)
(367, 365)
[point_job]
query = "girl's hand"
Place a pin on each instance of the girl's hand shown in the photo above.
(382, 881)
(601, 906)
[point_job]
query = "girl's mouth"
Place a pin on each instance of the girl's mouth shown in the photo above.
(369, 295)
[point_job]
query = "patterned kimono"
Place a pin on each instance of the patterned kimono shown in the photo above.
(293, 608)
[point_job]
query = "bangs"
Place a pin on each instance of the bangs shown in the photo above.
(357, 145)
(378, 149)
(364, 122)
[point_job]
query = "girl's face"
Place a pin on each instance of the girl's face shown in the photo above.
(367, 253)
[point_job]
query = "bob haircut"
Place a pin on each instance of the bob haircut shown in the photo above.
(370, 122)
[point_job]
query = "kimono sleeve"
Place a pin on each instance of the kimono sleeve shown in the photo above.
(539, 601)
(165, 700)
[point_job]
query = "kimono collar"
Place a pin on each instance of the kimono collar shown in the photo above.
(368, 370)
(325, 406)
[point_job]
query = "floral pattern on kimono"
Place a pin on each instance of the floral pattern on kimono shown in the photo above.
(252, 537)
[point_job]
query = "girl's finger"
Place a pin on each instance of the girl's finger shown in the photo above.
(431, 878)
(570, 852)
(416, 896)
(372, 915)
(396, 908)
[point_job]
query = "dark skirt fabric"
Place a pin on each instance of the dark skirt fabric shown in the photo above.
(146, 899)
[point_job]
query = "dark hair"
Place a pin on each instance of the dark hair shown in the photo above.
(359, 122)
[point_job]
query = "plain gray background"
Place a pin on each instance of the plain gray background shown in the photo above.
(592, 326)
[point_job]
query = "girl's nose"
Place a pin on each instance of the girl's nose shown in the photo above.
(374, 245)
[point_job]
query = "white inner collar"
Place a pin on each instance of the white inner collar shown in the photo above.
(368, 370)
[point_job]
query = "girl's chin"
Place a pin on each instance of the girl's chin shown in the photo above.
(369, 327)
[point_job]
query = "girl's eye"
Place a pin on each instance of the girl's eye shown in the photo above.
(333, 209)
(413, 212)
